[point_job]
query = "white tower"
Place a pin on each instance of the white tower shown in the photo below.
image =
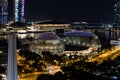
(12, 61)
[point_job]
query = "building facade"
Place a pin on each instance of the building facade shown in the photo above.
(3, 11)
(117, 14)
(47, 41)
(81, 39)
(19, 11)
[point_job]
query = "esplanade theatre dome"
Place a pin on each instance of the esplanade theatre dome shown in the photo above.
(47, 41)
(80, 40)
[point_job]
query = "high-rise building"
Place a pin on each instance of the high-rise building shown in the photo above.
(3, 12)
(117, 14)
(19, 11)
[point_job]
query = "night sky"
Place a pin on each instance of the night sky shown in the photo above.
(79, 10)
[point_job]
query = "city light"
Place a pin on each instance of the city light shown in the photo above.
(59, 43)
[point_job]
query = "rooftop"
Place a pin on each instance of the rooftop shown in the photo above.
(47, 36)
(79, 33)
(51, 22)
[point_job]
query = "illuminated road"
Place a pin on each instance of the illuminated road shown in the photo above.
(111, 54)
(31, 76)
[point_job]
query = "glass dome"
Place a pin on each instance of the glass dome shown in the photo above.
(47, 36)
(47, 41)
(77, 40)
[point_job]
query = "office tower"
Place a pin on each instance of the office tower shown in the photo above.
(117, 14)
(3, 12)
(19, 11)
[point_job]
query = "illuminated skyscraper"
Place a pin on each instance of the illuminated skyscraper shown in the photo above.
(117, 14)
(3, 11)
(19, 11)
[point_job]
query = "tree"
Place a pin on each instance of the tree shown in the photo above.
(45, 77)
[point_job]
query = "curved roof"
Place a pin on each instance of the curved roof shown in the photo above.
(51, 22)
(79, 33)
(47, 36)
